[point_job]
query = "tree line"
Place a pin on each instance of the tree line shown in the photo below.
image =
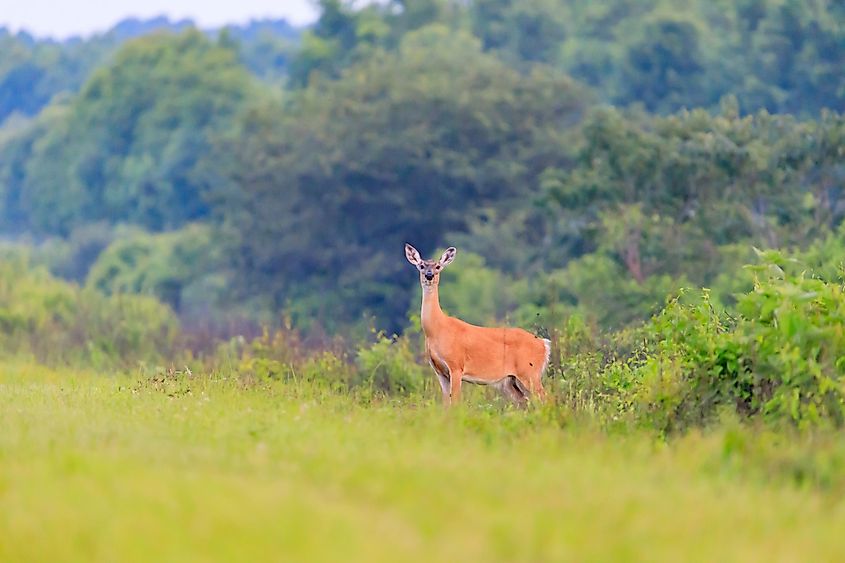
(584, 157)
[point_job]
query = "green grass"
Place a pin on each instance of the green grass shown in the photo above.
(96, 468)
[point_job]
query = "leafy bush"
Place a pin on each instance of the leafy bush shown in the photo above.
(180, 268)
(273, 355)
(602, 290)
(389, 366)
(793, 336)
(781, 356)
(71, 258)
(58, 322)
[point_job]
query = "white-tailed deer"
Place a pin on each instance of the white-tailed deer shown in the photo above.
(511, 359)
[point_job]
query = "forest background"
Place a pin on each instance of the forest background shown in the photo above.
(592, 162)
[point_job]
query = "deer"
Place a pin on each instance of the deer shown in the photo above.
(510, 359)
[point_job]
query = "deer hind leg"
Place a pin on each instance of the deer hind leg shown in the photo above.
(513, 390)
(531, 387)
(540, 390)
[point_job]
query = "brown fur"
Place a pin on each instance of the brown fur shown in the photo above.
(511, 359)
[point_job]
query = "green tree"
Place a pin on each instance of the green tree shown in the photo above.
(128, 147)
(180, 268)
(401, 148)
(531, 30)
(664, 66)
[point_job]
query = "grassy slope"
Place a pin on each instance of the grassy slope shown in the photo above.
(94, 469)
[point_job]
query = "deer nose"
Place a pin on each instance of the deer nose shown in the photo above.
(429, 275)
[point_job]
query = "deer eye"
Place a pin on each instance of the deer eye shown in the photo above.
(421, 268)
(437, 267)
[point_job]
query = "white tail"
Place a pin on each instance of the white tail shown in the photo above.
(511, 359)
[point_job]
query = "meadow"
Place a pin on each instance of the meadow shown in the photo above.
(211, 346)
(216, 467)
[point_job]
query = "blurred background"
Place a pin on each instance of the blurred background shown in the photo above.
(264, 162)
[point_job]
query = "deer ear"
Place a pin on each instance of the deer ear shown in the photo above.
(448, 256)
(412, 255)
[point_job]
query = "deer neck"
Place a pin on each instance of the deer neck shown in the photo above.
(431, 315)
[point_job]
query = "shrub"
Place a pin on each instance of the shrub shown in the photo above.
(781, 356)
(281, 355)
(271, 356)
(385, 367)
(792, 336)
(58, 322)
(180, 268)
(389, 366)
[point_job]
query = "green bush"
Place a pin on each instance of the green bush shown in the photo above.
(273, 355)
(780, 355)
(793, 336)
(180, 268)
(389, 366)
(58, 322)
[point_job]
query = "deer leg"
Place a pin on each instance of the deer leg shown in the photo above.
(442, 378)
(511, 391)
(532, 387)
(444, 387)
(535, 386)
(455, 386)
(517, 391)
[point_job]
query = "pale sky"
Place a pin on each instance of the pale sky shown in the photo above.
(63, 18)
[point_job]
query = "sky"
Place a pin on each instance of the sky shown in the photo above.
(63, 18)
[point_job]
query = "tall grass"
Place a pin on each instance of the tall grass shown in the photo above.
(216, 468)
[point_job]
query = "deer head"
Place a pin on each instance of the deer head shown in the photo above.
(429, 269)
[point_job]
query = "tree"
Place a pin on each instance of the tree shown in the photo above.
(664, 67)
(401, 148)
(531, 31)
(657, 199)
(127, 148)
(180, 268)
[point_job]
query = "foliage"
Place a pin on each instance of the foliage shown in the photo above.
(71, 257)
(165, 168)
(388, 366)
(795, 335)
(129, 146)
(656, 203)
(265, 47)
(778, 356)
(34, 71)
(179, 268)
(778, 55)
(385, 366)
(407, 140)
(345, 35)
(58, 322)
(603, 291)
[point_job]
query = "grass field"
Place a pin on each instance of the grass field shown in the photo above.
(96, 468)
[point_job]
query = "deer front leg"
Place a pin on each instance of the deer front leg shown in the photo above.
(455, 376)
(444, 387)
(442, 373)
